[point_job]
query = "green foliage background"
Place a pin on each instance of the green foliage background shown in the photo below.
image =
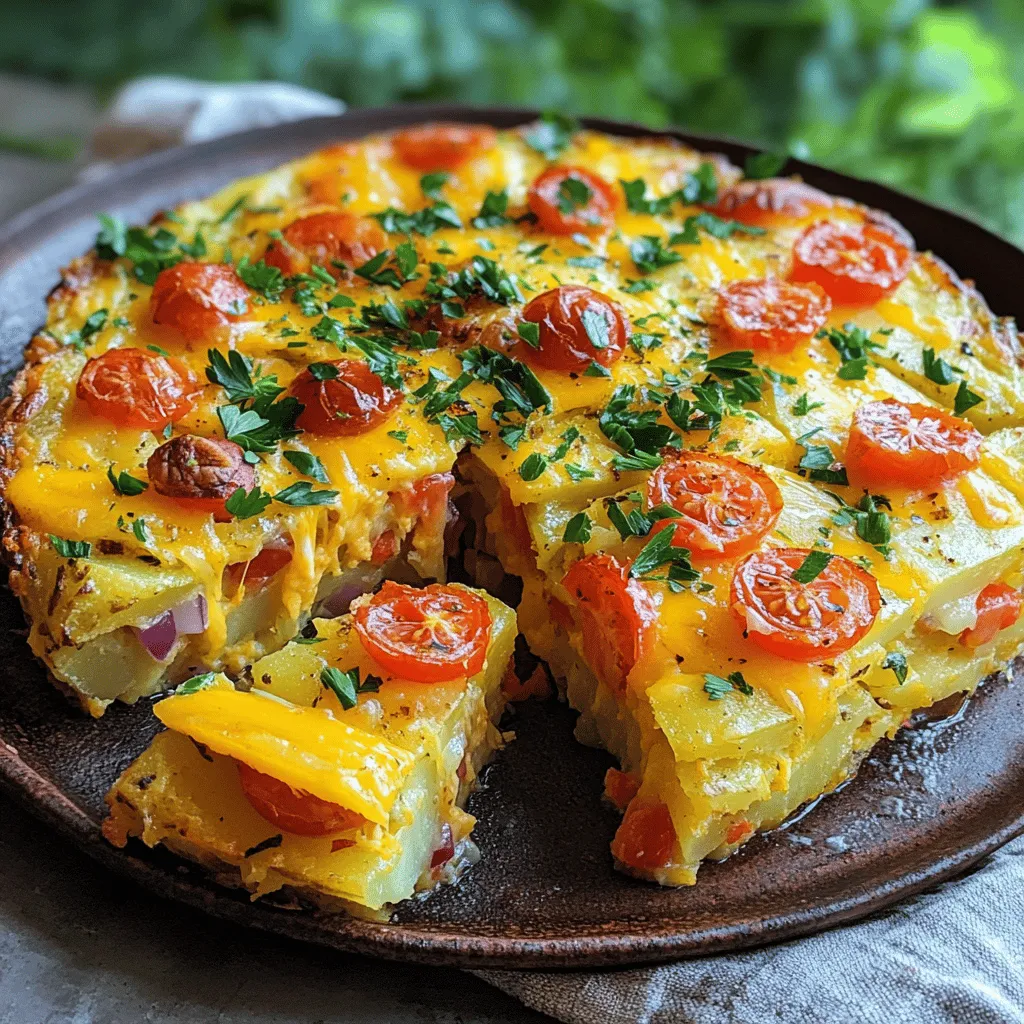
(926, 96)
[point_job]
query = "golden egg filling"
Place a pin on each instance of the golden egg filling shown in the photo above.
(755, 459)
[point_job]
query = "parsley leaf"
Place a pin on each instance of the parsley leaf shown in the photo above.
(309, 465)
(812, 566)
(125, 484)
(711, 225)
(649, 254)
(716, 687)
(424, 222)
(244, 504)
(492, 211)
(578, 529)
(93, 322)
(659, 551)
(897, 662)
(937, 369)
(701, 186)
(802, 406)
(262, 278)
(854, 346)
(533, 466)
(819, 462)
(346, 685)
(573, 195)
(551, 134)
(965, 399)
(391, 269)
(301, 494)
(235, 375)
(71, 548)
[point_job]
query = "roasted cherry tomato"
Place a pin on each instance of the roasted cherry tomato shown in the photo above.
(343, 398)
(616, 613)
(727, 506)
(384, 547)
(769, 315)
(301, 814)
(198, 299)
(646, 838)
(857, 264)
(812, 621)
(896, 445)
(620, 787)
(326, 239)
(427, 635)
(426, 499)
(200, 473)
(133, 388)
(257, 571)
(442, 146)
(771, 202)
(578, 326)
(567, 200)
(999, 607)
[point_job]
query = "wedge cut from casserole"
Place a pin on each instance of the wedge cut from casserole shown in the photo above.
(332, 776)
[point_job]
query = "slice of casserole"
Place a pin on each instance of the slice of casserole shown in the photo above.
(336, 774)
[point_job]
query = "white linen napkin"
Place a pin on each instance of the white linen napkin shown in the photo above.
(955, 954)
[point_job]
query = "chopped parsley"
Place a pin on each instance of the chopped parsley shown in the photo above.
(125, 484)
(309, 465)
(965, 399)
(71, 548)
(578, 529)
(897, 663)
(659, 551)
(262, 278)
(551, 134)
(482, 276)
(649, 254)
(802, 406)
(94, 322)
(196, 683)
(818, 462)
(346, 686)
(301, 494)
(812, 566)
(936, 369)
(854, 346)
(391, 269)
(492, 211)
(244, 504)
(711, 225)
(716, 687)
(424, 222)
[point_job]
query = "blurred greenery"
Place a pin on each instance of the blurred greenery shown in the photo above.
(925, 96)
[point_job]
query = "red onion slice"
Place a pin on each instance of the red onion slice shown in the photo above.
(191, 616)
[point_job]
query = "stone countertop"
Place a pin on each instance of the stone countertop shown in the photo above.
(78, 944)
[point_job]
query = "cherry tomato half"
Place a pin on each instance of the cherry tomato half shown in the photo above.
(617, 616)
(857, 264)
(808, 622)
(200, 473)
(578, 326)
(443, 146)
(999, 607)
(646, 838)
(769, 315)
(620, 787)
(198, 299)
(427, 635)
(918, 446)
(255, 573)
(343, 398)
(727, 506)
(301, 814)
(425, 499)
(326, 239)
(771, 202)
(567, 200)
(134, 388)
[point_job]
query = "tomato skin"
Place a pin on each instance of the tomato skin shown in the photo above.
(133, 388)
(443, 145)
(620, 787)
(727, 506)
(384, 547)
(646, 838)
(257, 571)
(427, 635)
(770, 202)
(198, 299)
(323, 239)
(738, 830)
(893, 444)
(617, 616)
(564, 344)
(426, 499)
(769, 315)
(301, 814)
(593, 217)
(999, 606)
(808, 622)
(856, 264)
(353, 402)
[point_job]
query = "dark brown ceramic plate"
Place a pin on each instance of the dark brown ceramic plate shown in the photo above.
(922, 808)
